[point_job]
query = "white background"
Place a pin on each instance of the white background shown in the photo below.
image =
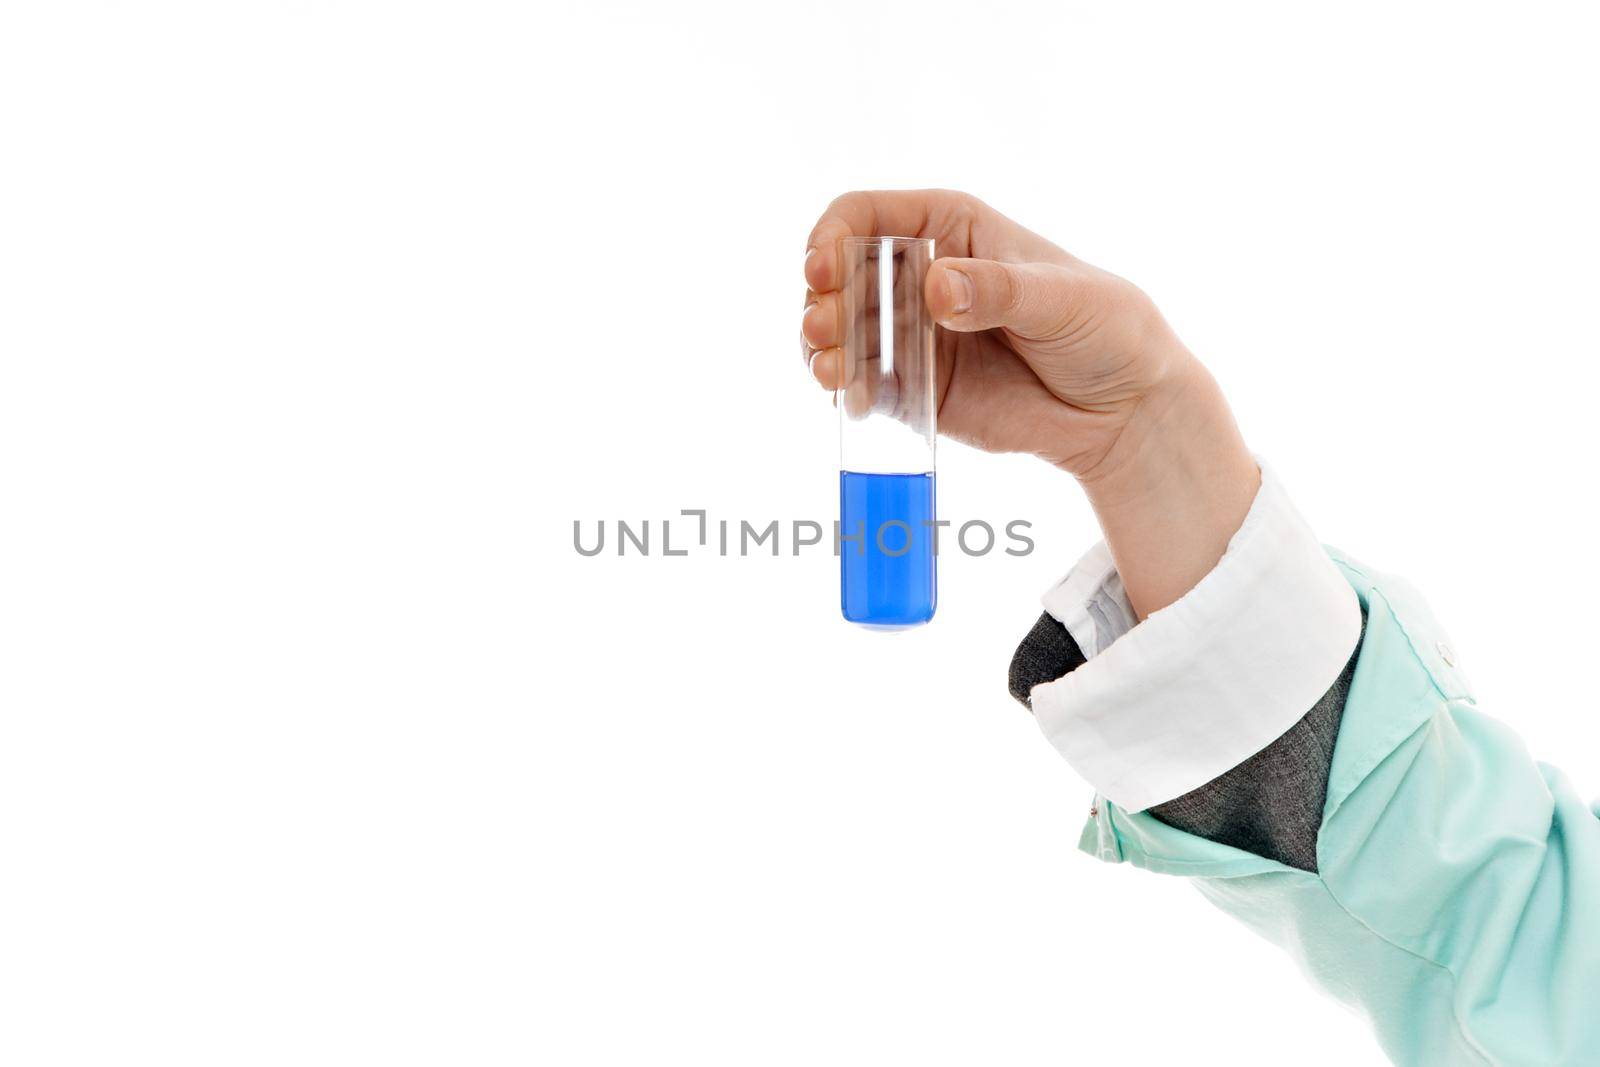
(321, 323)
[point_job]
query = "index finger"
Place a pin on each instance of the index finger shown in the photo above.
(898, 213)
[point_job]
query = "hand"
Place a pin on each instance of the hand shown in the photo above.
(1040, 352)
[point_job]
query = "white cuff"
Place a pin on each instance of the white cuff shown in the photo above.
(1165, 705)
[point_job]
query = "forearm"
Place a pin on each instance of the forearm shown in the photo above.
(1174, 488)
(1403, 845)
(1174, 700)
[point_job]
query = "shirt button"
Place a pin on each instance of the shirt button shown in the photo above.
(1446, 654)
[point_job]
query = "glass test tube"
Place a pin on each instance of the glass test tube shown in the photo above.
(887, 401)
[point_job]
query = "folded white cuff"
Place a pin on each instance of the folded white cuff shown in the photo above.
(1165, 705)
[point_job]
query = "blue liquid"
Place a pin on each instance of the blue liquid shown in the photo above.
(877, 586)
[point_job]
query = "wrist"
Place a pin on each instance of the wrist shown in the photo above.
(1174, 488)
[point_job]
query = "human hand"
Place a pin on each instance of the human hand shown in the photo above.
(1043, 353)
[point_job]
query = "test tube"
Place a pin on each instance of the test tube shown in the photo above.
(888, 401)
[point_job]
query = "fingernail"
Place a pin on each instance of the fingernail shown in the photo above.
(961, 291)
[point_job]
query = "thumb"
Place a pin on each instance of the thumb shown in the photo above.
(1033, 300)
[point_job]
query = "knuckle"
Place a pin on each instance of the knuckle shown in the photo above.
(850, 209)
(1136, 316)
(1137, 307)
(1115, 297)
(964, 202)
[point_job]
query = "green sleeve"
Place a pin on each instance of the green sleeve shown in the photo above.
(1456, 901)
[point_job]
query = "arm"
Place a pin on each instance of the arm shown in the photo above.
(1455, 895)
(1218, 713)
(1398, 842)
(1454, 899)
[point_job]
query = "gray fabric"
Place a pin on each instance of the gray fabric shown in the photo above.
(1270, 805)
(1047, 653)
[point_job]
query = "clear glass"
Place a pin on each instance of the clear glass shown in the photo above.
(888, 404)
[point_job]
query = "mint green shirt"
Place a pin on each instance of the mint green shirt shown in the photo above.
(1456, 903)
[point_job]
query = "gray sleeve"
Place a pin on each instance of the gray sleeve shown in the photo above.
(1271, 804)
